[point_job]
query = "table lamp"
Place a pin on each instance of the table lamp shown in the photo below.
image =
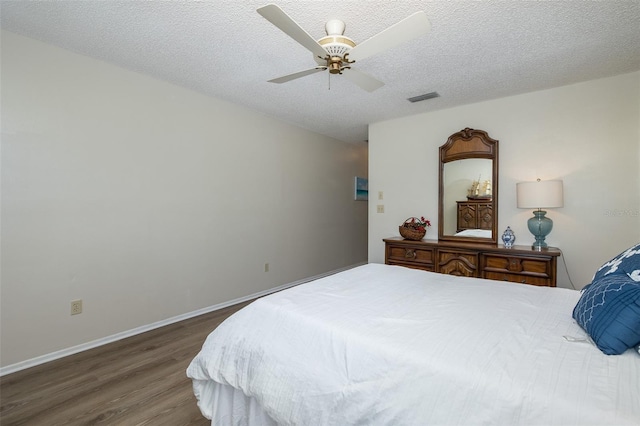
(539, 195)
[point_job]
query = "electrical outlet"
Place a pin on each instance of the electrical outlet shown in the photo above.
(380, 208)
(76, 307)
(266, 267)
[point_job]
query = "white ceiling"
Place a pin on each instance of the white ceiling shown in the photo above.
(475, 51)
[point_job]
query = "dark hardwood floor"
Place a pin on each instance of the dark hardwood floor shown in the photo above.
(140, 380)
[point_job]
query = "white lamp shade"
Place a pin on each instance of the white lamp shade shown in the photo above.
(540, 194)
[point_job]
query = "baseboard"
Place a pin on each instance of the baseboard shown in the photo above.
(142, 329)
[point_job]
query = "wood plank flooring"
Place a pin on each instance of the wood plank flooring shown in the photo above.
(140, 380)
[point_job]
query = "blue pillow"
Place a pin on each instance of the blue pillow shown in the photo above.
(627, 262)
(609, 311)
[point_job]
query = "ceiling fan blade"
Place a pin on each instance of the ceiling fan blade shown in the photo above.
(409, 28)
(277, 17)
(365, 81)
(293, 76)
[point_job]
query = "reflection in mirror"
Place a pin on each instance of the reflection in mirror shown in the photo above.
(467, 185)
(468, 194)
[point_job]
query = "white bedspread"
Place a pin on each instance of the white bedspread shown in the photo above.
(387, 345)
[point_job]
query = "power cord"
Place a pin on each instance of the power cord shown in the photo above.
(564, 261)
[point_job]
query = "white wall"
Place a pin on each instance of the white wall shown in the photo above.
(586, 134)
(148, 201)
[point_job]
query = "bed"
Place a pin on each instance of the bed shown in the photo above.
(480, 233)
(388, 345)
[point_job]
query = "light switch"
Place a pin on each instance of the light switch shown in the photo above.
(380, 208)
(380, 195)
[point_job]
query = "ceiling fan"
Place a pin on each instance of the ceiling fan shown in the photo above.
(336, 52)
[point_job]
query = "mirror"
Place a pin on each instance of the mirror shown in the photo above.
(468, 194)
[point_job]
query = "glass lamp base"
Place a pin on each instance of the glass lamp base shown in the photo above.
(540, 226)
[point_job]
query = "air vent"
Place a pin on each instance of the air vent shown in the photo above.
(424, 97)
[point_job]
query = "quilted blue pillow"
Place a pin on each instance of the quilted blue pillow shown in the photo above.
(627, 262)
(609, 311)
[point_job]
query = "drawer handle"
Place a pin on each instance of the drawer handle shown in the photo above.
(506, 278)
(409, 254)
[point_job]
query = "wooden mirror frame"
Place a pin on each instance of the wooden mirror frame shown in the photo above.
(469, 143)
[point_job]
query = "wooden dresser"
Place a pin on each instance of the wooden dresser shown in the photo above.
(474, 214)
(518, 264)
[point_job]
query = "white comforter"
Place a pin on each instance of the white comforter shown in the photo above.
(386, 345)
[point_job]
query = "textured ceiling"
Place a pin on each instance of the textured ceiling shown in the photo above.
(475, 51)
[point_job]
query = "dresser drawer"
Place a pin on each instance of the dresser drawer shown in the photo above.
(457, 262)
(518, 269)
(517, 278)
(412, 256)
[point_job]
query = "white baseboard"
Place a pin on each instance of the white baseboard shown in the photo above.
(142, 329)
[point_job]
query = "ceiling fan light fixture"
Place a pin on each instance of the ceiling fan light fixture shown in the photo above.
(334, 27)
(337, 45)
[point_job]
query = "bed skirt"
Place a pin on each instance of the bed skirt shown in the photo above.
(226, 405)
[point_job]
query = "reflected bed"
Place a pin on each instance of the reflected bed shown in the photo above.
(479, 233)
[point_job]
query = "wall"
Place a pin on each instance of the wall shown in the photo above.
(148, 201)
(586, 134)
